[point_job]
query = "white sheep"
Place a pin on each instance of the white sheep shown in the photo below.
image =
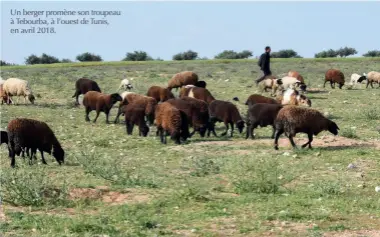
(125, 84)
(356, 78)
(290, 82)
(373, 77)
(18, 87)
(293, 97)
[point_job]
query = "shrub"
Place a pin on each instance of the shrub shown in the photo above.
(285, 53)
(346, 51)
(326, 54)
(88, 57)
(66, 60)
(4, 63)
(188, 55)
(137, 56)
(230, 54)
(372, 53)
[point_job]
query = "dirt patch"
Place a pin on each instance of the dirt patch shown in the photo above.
(353, 233)
(286, 227)
(83, 193)
(116, 198)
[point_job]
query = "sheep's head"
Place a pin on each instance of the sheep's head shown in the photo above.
(240, 125)
(303, 100)
(303, 87)
(340, 85)
(59, 155)
(362, 78)
(332, 127)
(31, 98)
(129, 86)
(279, 81)
(115, 97)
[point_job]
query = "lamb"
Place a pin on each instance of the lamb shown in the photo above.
(149, 104)
(270, 83)
(125, 84)
(293, 97)
(34, 134)
(294, 119)
(194, 115)
(100, 102)
(373, 77)
(18, 87)
(263, 115)
(197, 93)
(227, 112)
(135, 115)
(181, 79)
(82, 86)
(356, 78)
(256, 98)
(159, 93)
(170, 120)
(334, 76)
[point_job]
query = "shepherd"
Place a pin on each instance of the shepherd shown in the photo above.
(264, 64)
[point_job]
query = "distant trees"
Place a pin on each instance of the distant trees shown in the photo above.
(346, 51)
(4, 63)
(137, 56)
(66, 60)
(89, 57)
(188, 55)
(342, 52)
(230, 54)
(285, 53)
(43, 59)
(372, 53)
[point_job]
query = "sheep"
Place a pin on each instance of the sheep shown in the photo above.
(84, 85)
(149, 104)
(196, 119)
(256, 98)
(202, 84)
(34, 134)
(181, 79)
(294, 119)
(100, 102)
(270, 83)
(197, 93)
(373, 77)
(18, 87)
(293, 97)
(161, 94)
(135, 115)
(263, 115)
(356, 78)
(297, 75)
(4, 97)
(4, 137)
(290, 82)
(170, 120)
(125, 84)
(227, 112)
(334, 76)
(202, 107)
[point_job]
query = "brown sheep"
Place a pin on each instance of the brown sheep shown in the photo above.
(100, 102)
(270, 83)
(149, 104)
(295, 119)
(82, 86)
(227, 112)
(256, 98)
(135, 115)
(373, 77)
(161, 94)
(193, 115)
(201, 106)
(297, 75)
(293, 97)
(182, 79)
(197, 93)
(170, 120)
(334, 76)
(23, 132)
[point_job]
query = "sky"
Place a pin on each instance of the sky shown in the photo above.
(163, 29)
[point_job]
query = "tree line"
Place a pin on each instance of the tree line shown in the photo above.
(192, 55)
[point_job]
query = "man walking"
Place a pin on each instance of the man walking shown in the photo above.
(264, 64)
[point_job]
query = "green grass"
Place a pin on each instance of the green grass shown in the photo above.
(118, 185)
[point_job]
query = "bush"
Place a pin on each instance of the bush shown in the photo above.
(137, 56)
(285, 53)
(230, 54)
(4, 63)
(88, 57)
(372, 53)
(344, 52)
(326, 54)
(188, 55)
(44, 59)
(32, 59)
(66, 60)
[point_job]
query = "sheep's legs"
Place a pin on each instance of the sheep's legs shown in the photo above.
(107, 116)
(331, 84)
(232, 129)
(277, 135)
(119, 112)
(310, 136)
(129, 127)
(97, 115)
(292, 141)
(43, 158)
(88, 110)
(223, 134)
(274, 130)
(324, 85)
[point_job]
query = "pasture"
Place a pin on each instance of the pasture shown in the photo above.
(117, 185)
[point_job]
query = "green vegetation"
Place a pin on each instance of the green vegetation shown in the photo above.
(117, 185)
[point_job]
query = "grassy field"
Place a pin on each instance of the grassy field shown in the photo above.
(117, 185)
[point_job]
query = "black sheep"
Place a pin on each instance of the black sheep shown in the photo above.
(84, 85)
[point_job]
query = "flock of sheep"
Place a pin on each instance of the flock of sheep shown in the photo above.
(195, 107)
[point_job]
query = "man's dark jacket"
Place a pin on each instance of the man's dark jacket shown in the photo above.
(264, 61)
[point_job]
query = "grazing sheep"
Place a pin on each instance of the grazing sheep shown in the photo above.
(334, 76)
(227, 112)
(84, 85)
(293, 97)
(356, 78)
(18, 87)
(270, 83)
(194, 115)
(202, 108)
(263, 115)
(170, 120)
(181, 79)
(373, 77)
(4, 97)
(294, 119)
(161, 94)
(256, 98)
(135, 115)
(23, 132)
(197, 93)
(149, 104)
(100, 102)
(297, 75)
(125, 84)
(290, 82)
